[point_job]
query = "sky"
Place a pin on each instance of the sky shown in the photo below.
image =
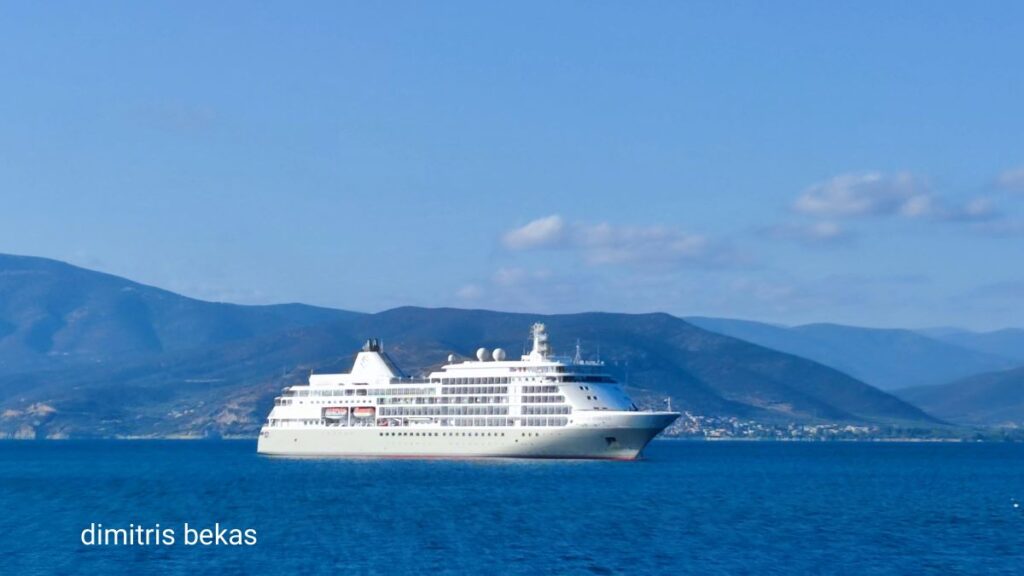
(789, 162)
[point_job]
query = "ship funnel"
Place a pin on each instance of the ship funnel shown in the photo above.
(372, 362)
(541, 349)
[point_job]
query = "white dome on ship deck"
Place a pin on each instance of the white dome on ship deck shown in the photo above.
(483, 354)
(498, 354)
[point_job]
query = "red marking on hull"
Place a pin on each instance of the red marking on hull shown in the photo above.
(444, 457)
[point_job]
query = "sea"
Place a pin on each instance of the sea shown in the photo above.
(685, 508)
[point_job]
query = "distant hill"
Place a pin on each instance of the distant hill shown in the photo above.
(887, 358)
(1008, 343)
(703, 371)
(992, 399)
(109, 357)
(55, 314)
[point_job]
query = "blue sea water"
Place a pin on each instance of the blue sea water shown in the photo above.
(686, 508)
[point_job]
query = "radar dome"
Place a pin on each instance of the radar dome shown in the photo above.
(499, 354)
(483, 354)
(451, 358)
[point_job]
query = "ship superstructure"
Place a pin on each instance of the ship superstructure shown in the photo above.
(537, 406)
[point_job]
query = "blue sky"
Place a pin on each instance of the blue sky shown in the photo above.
(791, 162)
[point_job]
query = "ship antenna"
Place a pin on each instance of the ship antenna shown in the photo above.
(578, 359)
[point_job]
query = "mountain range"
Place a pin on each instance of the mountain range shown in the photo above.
(88, 354)
(972, 400)
(1008, 342)
(887, 358)
(53, 314)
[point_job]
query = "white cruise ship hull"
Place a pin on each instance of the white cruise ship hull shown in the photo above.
(600, 435)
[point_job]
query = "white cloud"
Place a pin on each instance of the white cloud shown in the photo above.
(974, 210)
(540, 233)
(919, 205)
(470, 292)
(605, 244)
(508, 276)
(875, 194)
(822, 232)
(1012, 179)
(866, 194)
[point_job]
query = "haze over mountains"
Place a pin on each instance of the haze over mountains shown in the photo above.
(887, 358)
(1008, 343)
(89, 354)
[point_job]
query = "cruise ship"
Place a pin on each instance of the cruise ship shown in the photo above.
(540, 406)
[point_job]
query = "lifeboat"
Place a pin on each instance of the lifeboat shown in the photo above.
(363, 412)
(335, 412)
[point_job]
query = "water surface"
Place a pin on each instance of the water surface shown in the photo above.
(687, 508)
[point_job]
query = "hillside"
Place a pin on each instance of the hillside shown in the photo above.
(89, 354)
(992, 399)
(704, 372)
(1008, 342)
(887, 358)
(54, 314)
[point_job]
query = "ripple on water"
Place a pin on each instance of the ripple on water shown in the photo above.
(689, 508)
